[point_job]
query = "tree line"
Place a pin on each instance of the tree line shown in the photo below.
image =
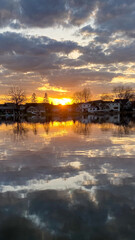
(119, 92)
(18, 96)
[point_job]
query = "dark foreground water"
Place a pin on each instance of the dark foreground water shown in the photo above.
(68, 179)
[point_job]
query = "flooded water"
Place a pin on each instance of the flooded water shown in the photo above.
(68, 179)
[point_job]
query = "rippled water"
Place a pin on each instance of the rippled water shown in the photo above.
(68, 178)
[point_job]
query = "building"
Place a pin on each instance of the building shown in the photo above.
(125, 104)
(37, 109)
(8, 109)
(100, 106)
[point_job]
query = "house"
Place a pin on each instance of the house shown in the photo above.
(113, 106)
(89, 107)
(125, 104)
(8, 109)
(77, 107)
(100, 106)
(37, 109)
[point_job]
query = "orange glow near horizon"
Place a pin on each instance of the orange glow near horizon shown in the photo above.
(62, 101)
(55, 101)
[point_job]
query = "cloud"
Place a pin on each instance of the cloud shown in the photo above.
(55, 12)
(26, 53)
(43, 57)
(108, 16)
(43, 13)
(23, 44)
(7, 11)
(117, 52)
(116, 15)
(112, 19)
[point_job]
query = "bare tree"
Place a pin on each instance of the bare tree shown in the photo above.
(106, 97)
(123, 92)
(77, 97)
(46, 99)
(17, 95)
(33, 98)
(82, 96)
(86, 93)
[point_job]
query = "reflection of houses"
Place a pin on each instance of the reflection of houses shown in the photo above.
(61, 109)
(100, 106)
(89, 118)
(106, 118)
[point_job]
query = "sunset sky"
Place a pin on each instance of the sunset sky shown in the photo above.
(62, 46)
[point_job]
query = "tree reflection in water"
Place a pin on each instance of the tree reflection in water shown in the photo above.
(46, 127)
(81, 128)
(124, 129)
(35, 128)
(19, 131)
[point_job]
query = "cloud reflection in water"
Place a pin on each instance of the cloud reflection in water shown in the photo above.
(64, 183)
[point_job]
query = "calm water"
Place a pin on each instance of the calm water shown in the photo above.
(68, 179)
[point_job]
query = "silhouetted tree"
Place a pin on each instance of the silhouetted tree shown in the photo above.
(123, 92)
(106, 97)
(86, 93)
(46, 99)
(82, 96)
(33, 98)
(17, 95)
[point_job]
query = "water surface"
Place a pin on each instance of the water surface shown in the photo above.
(68, 178)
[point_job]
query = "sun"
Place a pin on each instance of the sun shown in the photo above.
(62, 101)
